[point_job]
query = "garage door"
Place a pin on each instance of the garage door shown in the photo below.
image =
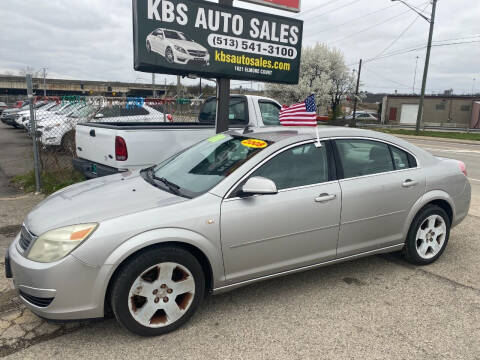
(409, 114)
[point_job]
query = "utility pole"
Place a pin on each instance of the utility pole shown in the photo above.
(200, 87)
(44, 82)
(36, 160)
(355, 101)
(154, 91)
(415, 76)
(223, 93)
(473, 86)
(427, 63)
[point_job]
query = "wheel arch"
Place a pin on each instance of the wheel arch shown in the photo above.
(436, 197)
(125, 252)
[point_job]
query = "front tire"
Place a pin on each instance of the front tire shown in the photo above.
(157, 291)
(169, 55)
(428, 236)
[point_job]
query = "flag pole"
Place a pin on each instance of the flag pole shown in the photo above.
(318, 144)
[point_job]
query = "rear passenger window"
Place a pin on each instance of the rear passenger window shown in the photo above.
(400, 158)
(363, 157)
(299, 166)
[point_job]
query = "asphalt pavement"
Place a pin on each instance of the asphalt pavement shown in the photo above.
(378, 307)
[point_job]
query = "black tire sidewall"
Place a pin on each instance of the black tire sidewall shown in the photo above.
(141, 262)
(410, 246)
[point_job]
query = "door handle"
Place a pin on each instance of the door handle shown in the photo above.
(409, 183)
(325, 197)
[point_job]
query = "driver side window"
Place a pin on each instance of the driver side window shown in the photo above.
(299, 166)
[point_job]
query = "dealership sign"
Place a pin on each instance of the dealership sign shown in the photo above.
(193, 37)
(289, 5)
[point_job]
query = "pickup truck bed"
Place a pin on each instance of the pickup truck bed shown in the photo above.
(105, 148)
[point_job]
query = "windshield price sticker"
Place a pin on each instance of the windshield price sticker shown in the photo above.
(216, 138)
(254, 143)
(194, 37)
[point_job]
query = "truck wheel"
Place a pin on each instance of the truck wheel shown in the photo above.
(157, 291)
(428, 236)
(169, 55)
(68, 143)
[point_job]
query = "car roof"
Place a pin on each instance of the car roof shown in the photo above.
(285, 136)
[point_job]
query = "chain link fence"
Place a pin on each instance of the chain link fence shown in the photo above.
(56, 119)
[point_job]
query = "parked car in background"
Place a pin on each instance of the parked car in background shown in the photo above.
(361, 115)
(59, 130)
(176, 47)
(232, 210)
(9, 116)
(24, 116)
(3, 106)
(106, 147)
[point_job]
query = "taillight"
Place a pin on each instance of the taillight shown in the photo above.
(463, 167)
(121, 153)
(169, 117)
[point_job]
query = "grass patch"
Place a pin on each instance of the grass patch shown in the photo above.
(438, 134)
(51, 181)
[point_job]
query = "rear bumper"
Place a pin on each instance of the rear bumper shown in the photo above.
(93, 170)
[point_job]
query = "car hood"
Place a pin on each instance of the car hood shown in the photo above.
(187, 45)
(97, 200)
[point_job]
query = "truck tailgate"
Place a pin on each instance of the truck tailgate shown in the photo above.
(96, 144)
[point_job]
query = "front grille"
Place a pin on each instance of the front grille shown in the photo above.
(35, 300)
(25, 238)
(197, 53)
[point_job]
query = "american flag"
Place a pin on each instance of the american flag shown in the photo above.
(302, 114)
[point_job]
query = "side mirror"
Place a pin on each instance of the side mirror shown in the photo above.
(259, 186)
(98, 116)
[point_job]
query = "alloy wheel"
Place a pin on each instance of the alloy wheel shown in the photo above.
(431, 236)
(161, 295)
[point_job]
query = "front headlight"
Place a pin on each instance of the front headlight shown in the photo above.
(56, 244)
(179, 48)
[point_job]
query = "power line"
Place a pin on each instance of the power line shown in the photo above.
(405, 51)
(349, 21)
(400, 35)
(370, 27)
(331, 10)
(318, 7)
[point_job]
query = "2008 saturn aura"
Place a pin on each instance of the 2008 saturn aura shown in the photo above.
(234, 209)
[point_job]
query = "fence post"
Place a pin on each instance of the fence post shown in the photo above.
(33, 126)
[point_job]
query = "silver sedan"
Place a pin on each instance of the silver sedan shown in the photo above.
(229, 211)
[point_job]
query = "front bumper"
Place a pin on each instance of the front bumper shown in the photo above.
(184, 59)
(64, 290)
(92, 170)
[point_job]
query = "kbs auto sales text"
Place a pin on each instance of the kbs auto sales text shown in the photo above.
(215, 20)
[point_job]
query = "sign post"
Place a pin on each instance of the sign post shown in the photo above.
(210, 40)
(223, 94)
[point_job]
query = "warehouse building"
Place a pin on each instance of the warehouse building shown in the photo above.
(444, 110)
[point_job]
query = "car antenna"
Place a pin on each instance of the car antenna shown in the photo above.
(247, 130)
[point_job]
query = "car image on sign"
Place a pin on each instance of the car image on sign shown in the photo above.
(176, 47)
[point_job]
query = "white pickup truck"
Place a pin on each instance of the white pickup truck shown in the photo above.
(108, 148)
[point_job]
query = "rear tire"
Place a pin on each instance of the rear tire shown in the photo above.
(428, 236)
(157, 291)
(68, 143)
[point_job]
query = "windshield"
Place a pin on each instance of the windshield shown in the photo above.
(204, 165)
(82, 112)
(56, 107)
(68, 108)
(169, 34)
